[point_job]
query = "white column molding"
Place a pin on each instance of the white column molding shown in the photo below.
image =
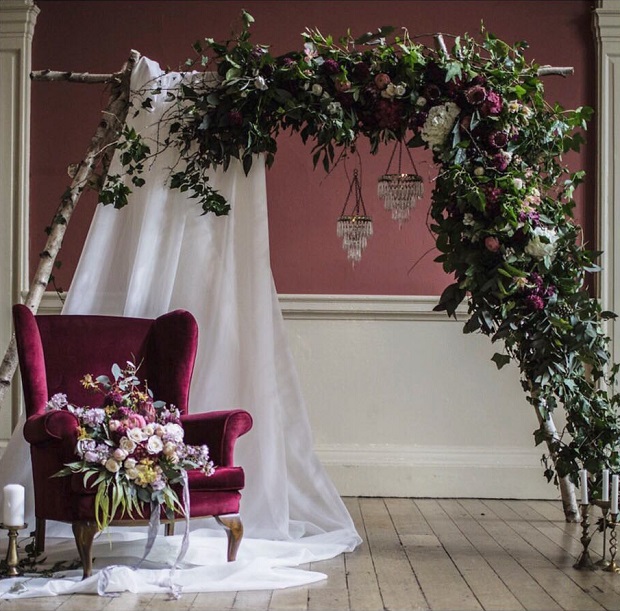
(17, 21)
(607, 34)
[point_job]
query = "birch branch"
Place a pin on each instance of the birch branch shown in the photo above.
(107, 132)
(73, 77)
(561, 71)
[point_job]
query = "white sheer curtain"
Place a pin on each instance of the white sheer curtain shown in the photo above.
(158, 254)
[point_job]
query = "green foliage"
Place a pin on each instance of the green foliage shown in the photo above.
(503, 201)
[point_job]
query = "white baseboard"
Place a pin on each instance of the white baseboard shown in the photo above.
(436, 472)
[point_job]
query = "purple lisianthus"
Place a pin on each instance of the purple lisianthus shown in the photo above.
(493, 194)
(534, 302)
(532, 217)
(493, 104)
(501, 160)
(93, 417)
(58, 401)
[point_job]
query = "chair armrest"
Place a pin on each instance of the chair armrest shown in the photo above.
(219, 430)
(58, 425)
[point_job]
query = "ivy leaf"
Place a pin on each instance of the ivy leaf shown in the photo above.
(500, 359)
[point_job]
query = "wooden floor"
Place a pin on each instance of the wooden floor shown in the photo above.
(454, 555)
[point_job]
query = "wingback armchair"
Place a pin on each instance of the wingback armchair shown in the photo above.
(55, 352)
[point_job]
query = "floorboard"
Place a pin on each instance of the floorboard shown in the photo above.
(419, 554)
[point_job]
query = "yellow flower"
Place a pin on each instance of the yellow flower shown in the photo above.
(82, 434)
(88, 381)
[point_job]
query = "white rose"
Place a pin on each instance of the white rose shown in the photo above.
(389, 91)
(127, 444)
(132, 473)
(317, 89)
(421, 101)
(169, 448)
(148, 430)
(112, 465)
(479, 171)
(136, 435)
(119, 454)
(540, 249)
(154, 445)
(130, 463)
(518, 183)
(400, 90)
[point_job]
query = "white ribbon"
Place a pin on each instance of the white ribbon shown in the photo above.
(174, 590)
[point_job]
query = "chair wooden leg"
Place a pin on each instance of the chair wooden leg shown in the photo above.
(234, 531)
(39, 536)
(169, 529)
(84, 533)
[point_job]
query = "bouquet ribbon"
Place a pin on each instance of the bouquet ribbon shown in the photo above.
(174, 589)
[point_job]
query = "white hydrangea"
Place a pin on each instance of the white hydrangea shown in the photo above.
(439, 123)
(541, 248)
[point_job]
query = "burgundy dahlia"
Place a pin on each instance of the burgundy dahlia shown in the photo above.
(476, 95)
(497, 140)
(361, 71)
(331, 66)
(534, 302)
(388, 114)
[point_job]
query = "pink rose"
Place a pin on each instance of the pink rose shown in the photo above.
(382, 80)
(492, 243)
(343, 85)
(133, 421)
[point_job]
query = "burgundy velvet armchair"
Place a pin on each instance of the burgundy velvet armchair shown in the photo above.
(55, 352)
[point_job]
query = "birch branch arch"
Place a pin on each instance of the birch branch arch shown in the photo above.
(501, 208)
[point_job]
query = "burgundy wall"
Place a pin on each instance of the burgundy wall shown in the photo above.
(96, 36)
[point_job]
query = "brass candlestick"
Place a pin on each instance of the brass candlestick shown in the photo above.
(12, 559)
(605, 506)
(585, 562)
(612, 567)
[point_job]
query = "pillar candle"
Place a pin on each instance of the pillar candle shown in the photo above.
(13, 505)
(614, 494)
(605, 495)
(584, 487)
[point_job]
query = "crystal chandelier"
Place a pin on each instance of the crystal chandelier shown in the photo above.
(400, 191)
(355, 227)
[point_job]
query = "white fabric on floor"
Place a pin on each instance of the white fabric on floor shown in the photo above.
(158, 254)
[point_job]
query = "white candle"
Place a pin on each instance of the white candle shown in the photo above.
(605, 495)
(614, 494)
(13, 505)
(584, 487)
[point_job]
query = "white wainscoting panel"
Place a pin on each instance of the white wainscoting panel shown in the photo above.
(402, 403)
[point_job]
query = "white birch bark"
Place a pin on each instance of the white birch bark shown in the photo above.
(91, 170)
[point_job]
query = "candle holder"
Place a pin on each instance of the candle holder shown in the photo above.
(612, 567)
(12, 559)
(605, 506)
(585, 562)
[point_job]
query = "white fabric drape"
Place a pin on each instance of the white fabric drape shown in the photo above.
(158, 254)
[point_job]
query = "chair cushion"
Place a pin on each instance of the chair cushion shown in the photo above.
(224, 478)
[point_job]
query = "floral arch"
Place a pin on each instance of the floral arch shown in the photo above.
(501, 208)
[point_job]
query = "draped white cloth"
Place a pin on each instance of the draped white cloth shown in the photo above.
(158, 254)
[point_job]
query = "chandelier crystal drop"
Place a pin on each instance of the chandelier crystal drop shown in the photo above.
(400, 191)
(354, 227)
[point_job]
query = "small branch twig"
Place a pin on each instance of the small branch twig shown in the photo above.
(561, 71)
(73, 77)
(440, 43)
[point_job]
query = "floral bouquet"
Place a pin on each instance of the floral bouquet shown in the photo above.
(131, 447)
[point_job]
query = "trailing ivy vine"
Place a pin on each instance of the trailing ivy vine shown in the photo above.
(502, 208)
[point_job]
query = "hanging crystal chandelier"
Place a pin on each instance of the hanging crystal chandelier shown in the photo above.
(400, 191)
(355, 227)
